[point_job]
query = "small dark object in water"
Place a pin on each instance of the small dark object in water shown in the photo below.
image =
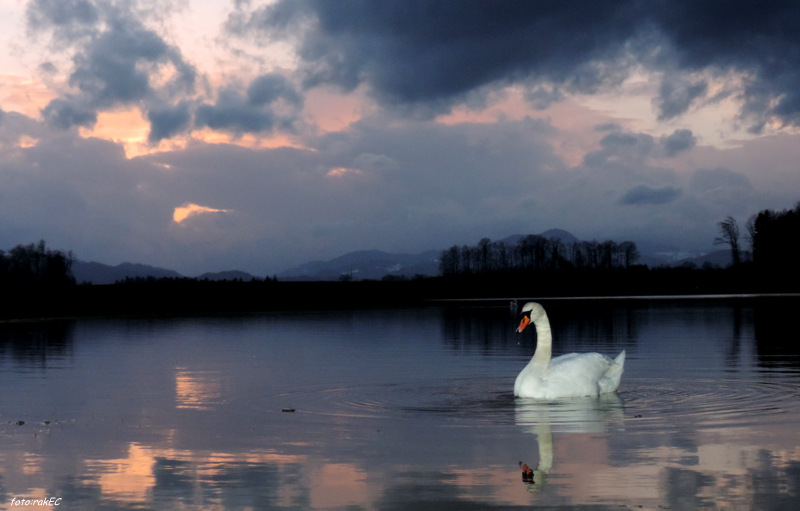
(288, 410)
(20, 423)
(527, 473)
(637, 416)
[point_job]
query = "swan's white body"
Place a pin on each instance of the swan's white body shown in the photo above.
(573, 375)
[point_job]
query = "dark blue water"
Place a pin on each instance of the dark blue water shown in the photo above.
(402, 409)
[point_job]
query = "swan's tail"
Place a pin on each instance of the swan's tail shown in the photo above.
(610, 381)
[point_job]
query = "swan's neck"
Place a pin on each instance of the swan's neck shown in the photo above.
(544, 341)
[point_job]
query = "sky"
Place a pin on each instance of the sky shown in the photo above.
(258, 135)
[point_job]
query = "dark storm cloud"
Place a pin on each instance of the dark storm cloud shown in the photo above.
(643, 194)
(64, 113)
(271, 87)
(634, 148)
(423, 52)
(68, 18)
(759, 39)
(116, 67)
(619, 146)
(168, 121)
(679, 141)
(677, 94)
(114, 62)
(417, 52)
(542, 97)
(270, 102)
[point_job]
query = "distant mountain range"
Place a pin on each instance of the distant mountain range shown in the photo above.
(358, 265)
(99, 273)
(366, 264)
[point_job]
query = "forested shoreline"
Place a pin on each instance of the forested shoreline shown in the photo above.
(537, 253)
(37, 282)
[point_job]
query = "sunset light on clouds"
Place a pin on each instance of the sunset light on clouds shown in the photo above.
(405, 126)
(186, 210)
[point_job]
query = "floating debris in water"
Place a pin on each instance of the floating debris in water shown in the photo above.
(527, 473)
(288, 410)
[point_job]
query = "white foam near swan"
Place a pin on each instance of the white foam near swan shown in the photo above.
(572, 375)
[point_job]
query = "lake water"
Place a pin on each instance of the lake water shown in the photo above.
(403, 409)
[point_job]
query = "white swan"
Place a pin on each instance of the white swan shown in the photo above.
(573, 375)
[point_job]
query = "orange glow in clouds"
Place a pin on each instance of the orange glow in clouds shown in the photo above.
(343, 171)
(131, 129)
(24, 95)
(188, 209)
(126, 127)
(249, 141)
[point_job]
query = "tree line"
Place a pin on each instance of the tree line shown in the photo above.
(773, 236)
(35, 266)
(537, 253)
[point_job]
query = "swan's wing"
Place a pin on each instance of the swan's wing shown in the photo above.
(610, 381)
(589, 366)
(584, 374)
(572, 375)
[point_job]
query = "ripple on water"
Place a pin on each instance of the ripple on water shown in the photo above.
(726, 403)
(488, 402)
(476, 401)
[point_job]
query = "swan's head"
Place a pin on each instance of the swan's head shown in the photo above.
(531, 312)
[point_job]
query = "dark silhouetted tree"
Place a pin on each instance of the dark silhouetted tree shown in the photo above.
(729, 235)
(630, 254)
(537, 253)
(448, 261)
(36, 265)
(776, 239)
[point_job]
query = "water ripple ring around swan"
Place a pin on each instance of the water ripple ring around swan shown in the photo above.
(711, 403)
(487, 401)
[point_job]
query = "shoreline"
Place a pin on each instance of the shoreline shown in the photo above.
(190, 298)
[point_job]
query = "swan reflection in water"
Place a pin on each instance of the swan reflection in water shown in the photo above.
(596, 414)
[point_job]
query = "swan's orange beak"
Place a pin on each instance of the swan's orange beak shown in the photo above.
(522, 324)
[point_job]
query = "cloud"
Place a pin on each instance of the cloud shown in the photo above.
(188, 210)
(433, 55)
(388, 175)
(422, 52)
(643, 194)
(678, 142)
(623, 148)
(401, 185)
(271, 102)
(116, 67)
(677, 94)
(626, 148)
(65, 113)
(116, 61)
(743, 38)
(168, 121)
(271, 87)
(69, 19)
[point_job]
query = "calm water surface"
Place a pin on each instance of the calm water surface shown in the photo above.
(408, 409)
